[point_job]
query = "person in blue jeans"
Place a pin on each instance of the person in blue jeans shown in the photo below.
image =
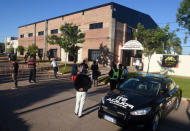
(74, 71)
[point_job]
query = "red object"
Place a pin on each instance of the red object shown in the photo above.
(74, 78)
(177, 65)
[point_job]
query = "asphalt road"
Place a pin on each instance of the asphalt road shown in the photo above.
(49, 106)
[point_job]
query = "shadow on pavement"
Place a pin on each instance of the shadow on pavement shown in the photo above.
(12, 100)
(90, 109)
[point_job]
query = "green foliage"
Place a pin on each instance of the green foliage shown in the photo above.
(66, 69)
(2, 47)
(183, 15)
(158, 40)
(21, 49)
(71, 35)
(10, 49)
(183, 84)
(32, 49)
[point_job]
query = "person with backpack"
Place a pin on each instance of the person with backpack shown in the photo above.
(82, 84)
(114, 75)
(95, 73)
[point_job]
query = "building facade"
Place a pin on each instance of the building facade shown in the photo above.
(11, 42)
(110, 24)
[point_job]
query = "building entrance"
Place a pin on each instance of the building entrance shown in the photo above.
(127, 57)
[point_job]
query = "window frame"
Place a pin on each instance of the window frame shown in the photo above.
(96, 26)
(52, 31)
(30, 34)
(39, 33)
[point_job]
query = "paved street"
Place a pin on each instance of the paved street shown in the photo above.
(49, 106)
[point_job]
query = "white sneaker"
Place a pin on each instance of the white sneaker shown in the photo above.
(13, 88)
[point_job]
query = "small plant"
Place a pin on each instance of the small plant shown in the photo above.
(21, 49)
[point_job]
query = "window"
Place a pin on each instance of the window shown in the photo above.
(40, 52)
(22, 36)
(129, 33)
(96, 26)
(30, 34)
(93, 54)
(40, 33)
(54, 31)
(53, 53)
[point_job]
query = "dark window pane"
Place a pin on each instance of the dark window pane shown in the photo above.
(93, 54)
(30, 34)
(54, 31)
(41, 33)
(96, 26)
(22, 36)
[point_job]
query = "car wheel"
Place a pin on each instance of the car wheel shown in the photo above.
(177, 103)
(154, 124)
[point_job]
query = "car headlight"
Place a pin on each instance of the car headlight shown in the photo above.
(141, 111)
(103, 99)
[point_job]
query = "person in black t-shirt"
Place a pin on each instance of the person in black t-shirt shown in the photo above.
(14, 68)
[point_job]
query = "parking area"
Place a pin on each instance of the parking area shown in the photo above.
(49, 105)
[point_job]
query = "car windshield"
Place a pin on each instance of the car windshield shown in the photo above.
(141, 86)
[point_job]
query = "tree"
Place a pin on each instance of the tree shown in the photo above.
(10, 49)
(173, 43)
(183, 16)
(21, 49)
(153, 40)
(105, 55)
(32, 50)
(71, 35)
(2, 47)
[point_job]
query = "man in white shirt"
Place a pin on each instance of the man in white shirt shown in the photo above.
(55, 68)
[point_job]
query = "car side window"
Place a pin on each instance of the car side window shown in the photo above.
(170, 85)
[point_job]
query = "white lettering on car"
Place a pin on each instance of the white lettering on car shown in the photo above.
(120, 101)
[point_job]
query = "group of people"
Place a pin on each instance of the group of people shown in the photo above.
(117, 75)
(15, 67)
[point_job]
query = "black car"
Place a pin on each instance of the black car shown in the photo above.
(141, 101)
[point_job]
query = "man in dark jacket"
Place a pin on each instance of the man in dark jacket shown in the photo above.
(95, 73)
(114, 75)
(14, 69)
(82, 84)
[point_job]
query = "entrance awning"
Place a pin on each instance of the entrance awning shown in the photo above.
(132, 45)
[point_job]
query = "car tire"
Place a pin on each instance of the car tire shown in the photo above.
(153, 126)
(177, 103)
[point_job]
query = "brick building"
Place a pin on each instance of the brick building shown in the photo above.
(110, 24)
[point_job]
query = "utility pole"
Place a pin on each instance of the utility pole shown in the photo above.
(45, 39)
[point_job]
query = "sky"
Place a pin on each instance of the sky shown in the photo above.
(15, 13)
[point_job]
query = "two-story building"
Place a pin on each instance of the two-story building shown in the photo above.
(109, 24)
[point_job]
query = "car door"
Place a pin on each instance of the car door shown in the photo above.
(171, 97)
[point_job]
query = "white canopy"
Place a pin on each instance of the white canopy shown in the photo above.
(132, 45)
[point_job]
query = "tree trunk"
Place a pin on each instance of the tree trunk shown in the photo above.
(149, 57)
(65, 61)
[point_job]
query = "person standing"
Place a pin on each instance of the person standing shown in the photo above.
(114, 75)
(95, 73)
(32, 69)
(82, 84)
(14, 69)
(55, 67)
(84, 67)
(74, 71)
(123, 72)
